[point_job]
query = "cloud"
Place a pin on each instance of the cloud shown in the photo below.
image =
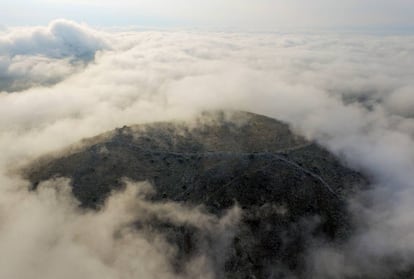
(46, 235)
(349, 92)
(45, 55)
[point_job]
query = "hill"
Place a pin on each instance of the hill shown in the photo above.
(291, 191)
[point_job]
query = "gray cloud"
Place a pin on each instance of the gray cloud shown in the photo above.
(352, 93)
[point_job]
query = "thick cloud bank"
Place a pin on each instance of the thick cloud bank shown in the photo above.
(45, 55)
(352, 93)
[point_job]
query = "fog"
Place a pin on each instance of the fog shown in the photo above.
(64, 82)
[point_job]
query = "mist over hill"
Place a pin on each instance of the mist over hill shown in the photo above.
(95, 106)
(288, 191)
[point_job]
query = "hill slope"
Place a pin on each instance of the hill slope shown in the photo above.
(291, 190)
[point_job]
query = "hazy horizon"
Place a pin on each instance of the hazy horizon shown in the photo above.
(237, 15)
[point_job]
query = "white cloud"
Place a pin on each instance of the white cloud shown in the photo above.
(45, 235)
(351, 93)
(45, 55)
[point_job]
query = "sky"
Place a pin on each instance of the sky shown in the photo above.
(246, 15)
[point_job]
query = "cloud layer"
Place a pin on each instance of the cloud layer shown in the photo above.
(45, 55)
(352, 93)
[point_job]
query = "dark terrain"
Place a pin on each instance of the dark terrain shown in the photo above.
(291, 191)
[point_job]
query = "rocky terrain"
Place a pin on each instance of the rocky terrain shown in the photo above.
(291, 191)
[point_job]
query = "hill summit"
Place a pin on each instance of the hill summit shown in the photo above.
(290, 190)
